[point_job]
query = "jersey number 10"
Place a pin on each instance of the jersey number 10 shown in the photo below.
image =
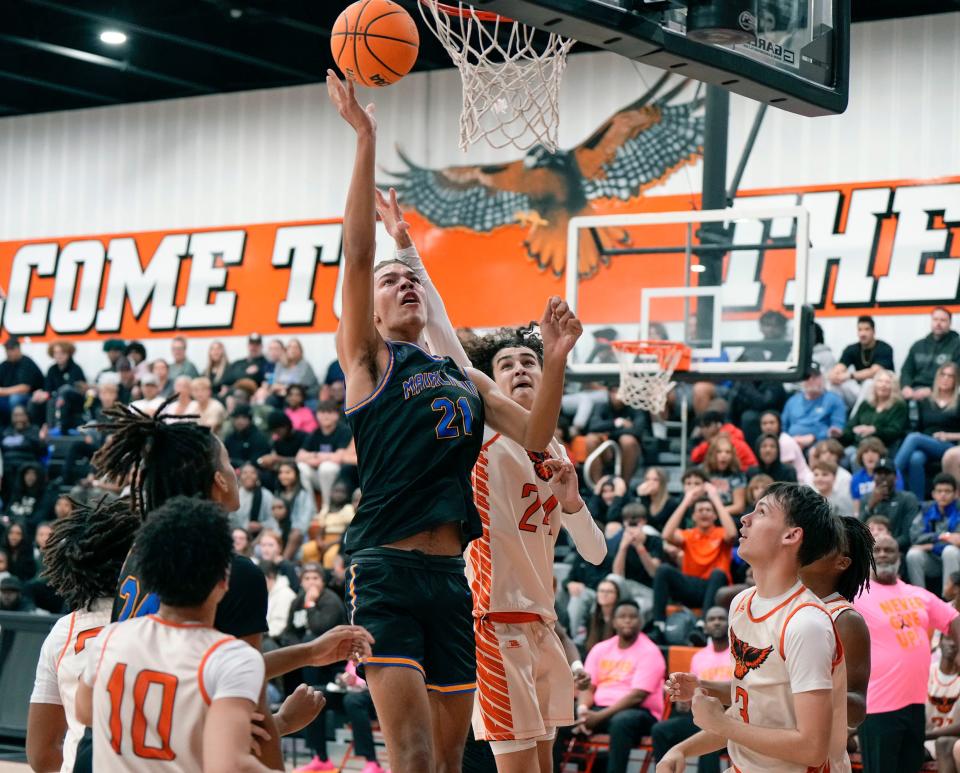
(448, 427)
(167, 683)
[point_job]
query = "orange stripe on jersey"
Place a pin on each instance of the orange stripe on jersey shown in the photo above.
(66, 644)
(479, 550)
(452, 688)
(514, 617)
(172, 624)
(493, 696)
(203, 662)
(490, 442)
(776, 609)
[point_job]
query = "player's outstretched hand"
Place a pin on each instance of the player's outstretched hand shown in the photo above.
(345, 642)
(388, 208)
(564, 485)
(300, 709)
(559, 328)
(343, 96)
(672, 762)
(681, 685)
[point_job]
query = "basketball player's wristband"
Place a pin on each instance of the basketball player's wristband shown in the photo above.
(410, 256)
(576, 666)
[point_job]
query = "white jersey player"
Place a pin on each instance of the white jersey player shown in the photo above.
(168, 692)
(524, 683)
(82, 559)
(789, 710)
(943, 697)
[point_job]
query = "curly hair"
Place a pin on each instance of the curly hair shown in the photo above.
(482, 349)
(856, 543)
(184, 550)
(86, 550)
(164, 455)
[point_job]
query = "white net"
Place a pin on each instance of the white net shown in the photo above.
(645, 377)
(511, 75)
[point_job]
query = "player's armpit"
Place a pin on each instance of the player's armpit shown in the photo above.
(807, 745)
(226, 738)
(46, 728)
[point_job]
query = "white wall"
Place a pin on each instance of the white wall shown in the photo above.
(284, 154)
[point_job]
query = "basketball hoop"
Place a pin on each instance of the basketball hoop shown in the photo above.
(645, 371)
(511, 75)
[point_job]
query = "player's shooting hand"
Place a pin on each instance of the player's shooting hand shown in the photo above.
(257, 733)
(672, 762)
(564, 485)
(345, 642)
(300, 709)
(681, 686)
(559, 328)
(343, 96)
(707, 712)
(392, 216)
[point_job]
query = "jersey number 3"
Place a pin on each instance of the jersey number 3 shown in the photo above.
(448, 427)
(744, 700)
(548, 507)
(167, 685)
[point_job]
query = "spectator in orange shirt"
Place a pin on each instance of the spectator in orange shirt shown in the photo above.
(711, 425)
(706, 556)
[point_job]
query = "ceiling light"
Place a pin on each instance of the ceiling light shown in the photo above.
(113, 37)
(698, 268)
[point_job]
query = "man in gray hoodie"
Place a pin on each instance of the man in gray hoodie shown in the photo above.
(928, 354)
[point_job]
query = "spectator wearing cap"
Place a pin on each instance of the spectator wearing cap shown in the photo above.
(712, 424)
(253, 366)
(12, 598)
(934, 534)
(114, 349)
(64, 372)
(322, 453)
(180, 365)
(899, 507)
(152, 399)
(245, 443)
(19, 377)
(814, 414)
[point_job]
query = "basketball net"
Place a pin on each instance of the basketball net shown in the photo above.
(511, 75)
(645, 371)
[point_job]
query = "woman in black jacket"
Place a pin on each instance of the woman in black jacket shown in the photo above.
(768, 454)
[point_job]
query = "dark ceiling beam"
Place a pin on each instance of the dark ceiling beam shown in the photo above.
(104, 61)
(179, 40)
(44, 84)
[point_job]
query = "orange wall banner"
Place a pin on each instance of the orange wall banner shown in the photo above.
(876, 247)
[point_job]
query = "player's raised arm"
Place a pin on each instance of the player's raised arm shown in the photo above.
(358, 341)
(534, 429)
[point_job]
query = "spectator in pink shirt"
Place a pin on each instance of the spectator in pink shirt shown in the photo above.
(900, 618)
(625, 697)
(299, 414)
(713, 663)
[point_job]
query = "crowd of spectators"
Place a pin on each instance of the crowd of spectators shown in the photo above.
(880, 446)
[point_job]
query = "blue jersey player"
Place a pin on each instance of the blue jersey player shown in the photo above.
(418, 423)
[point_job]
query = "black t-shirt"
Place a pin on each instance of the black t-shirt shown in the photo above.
(23, 371)
(634, 569)
(317, 441)
(287, 447)
(57, 378)
(855, 355)
(242, 612)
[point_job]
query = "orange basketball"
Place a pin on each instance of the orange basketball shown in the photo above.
(375, 42)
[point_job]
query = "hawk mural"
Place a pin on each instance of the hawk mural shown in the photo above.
(637, 148)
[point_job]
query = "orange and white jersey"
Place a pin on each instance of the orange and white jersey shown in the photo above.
(61, 662)
(781, 647)
(510, 567)
(836, 605)
(153, 682)
(943, 691)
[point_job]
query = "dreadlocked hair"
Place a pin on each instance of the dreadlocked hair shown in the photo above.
(164, 456)
(856, 542)
(482, 349)
(86, 550)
